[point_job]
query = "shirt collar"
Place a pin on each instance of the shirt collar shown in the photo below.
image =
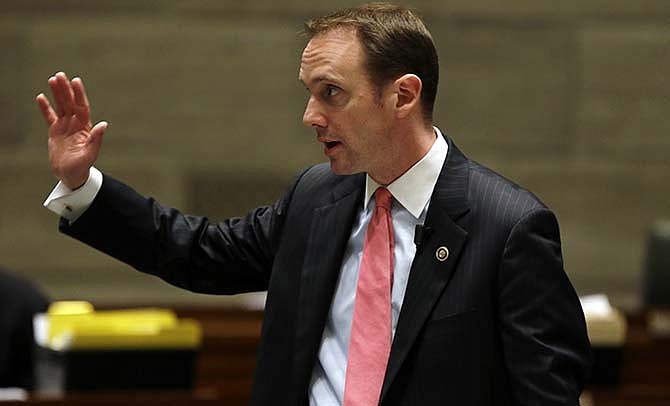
(414, 188)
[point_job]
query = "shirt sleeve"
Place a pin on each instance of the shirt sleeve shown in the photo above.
(71, 204)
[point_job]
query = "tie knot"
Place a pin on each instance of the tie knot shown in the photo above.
(383, 198)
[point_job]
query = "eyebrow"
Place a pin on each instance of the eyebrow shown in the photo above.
(319, 79)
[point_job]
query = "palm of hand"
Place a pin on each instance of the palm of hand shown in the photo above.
(73, 143)
(69, 147)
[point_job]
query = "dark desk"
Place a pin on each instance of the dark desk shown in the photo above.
(230, 338)
(645, 372)
(228, 356)
(630, 395)
(139, 398)
(227, 360)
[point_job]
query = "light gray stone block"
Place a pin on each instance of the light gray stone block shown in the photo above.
(223, 195)
(625, 97)
(12, 43)
(506, 89)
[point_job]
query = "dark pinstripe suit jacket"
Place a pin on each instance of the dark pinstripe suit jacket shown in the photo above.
(497, 323)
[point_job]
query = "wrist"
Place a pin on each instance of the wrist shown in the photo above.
(75, 182)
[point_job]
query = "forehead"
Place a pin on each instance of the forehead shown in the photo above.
(333, 55)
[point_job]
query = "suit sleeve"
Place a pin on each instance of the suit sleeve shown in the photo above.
(543, 331)
(230, 257)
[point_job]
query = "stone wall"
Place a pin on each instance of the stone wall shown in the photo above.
(569, 99)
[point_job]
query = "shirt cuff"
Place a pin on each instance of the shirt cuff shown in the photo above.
(71, 204)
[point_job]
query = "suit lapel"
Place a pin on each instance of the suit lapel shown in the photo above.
(330, 231)
(447, 219)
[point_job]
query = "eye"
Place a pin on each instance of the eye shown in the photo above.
(333, 95)
(332, 91)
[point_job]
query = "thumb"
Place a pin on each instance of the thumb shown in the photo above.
(97, 132)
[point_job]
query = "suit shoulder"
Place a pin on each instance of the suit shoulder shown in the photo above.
(316, 176)
(319, 179)
(496, 196)
(317, 186)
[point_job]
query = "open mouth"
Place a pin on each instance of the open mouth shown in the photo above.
(332, 144)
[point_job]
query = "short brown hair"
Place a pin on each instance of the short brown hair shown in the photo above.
(395, 42)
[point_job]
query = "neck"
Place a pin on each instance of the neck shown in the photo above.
(408, 147)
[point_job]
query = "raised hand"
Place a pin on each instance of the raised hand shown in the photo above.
(74, 143)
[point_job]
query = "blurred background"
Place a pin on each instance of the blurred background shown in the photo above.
(570, 99)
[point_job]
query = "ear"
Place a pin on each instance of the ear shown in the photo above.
(408, 89)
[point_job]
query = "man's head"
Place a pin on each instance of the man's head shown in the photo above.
(395, 41)
(365, 70)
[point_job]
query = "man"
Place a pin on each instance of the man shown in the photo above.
(401, 274)
(20, 300)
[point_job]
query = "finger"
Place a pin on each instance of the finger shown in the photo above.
(82, 109)
(97, 132)
(48, 112)
(79, 92)
(55, 92)
(66, 92)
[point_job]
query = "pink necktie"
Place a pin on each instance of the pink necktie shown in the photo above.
(370, 341)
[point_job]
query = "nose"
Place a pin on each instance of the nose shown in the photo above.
(313, 116)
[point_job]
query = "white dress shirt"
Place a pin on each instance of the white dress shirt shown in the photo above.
(411, 197)
(71, 204)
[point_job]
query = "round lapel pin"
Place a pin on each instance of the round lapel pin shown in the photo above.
(442, 254)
